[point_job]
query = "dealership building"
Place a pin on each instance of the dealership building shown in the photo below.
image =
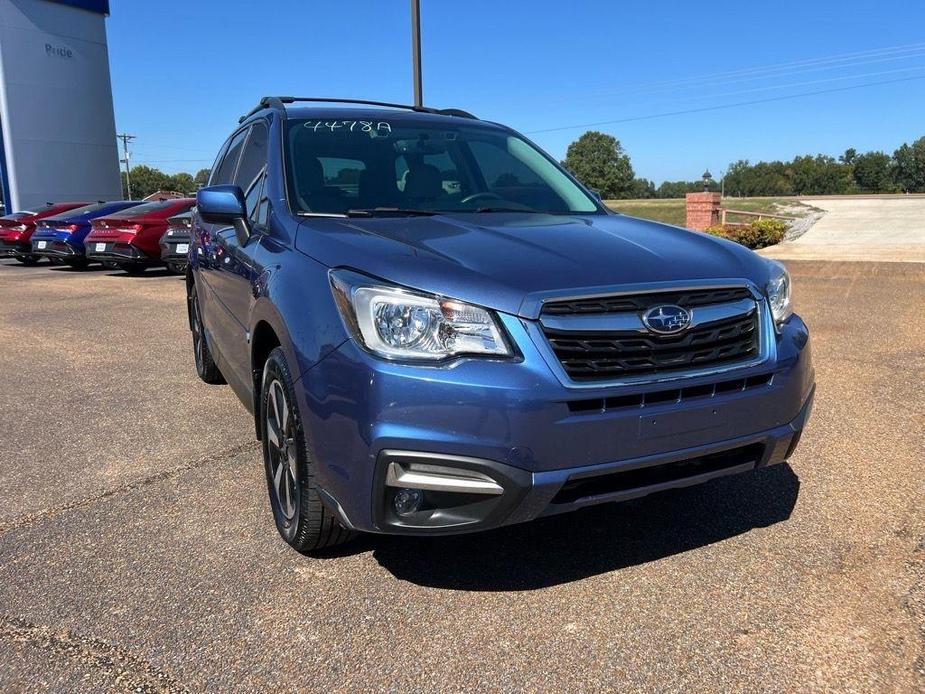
(56, 115)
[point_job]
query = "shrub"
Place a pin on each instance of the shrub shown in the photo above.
(758, 234)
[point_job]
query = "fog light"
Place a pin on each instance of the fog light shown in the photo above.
(407, 501)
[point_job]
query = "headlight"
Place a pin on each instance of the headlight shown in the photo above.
(397, 323)
(779, 293)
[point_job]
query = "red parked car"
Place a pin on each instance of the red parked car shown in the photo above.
(16, 230)
(131, 239)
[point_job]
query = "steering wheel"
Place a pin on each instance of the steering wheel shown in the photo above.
(480, 196)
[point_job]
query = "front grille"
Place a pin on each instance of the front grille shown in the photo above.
(595, 355)
(674, 396)
(641, 302)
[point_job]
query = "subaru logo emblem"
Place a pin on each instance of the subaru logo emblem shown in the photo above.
(667, 319)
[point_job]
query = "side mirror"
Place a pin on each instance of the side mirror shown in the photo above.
(224, 205)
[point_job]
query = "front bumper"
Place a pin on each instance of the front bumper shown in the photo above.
(552, 448)
(527, 496)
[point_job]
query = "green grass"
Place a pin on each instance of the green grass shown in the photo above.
(672, 210)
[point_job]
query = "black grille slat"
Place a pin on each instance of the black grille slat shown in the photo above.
(578, 488)
(641, 302)
(595, 355)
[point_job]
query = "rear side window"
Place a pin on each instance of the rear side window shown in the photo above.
(254, 158)
(226, 169)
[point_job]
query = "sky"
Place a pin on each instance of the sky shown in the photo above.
(685, 86)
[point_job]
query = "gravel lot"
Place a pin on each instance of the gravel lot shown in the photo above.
(137, 549)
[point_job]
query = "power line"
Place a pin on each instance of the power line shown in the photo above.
(847, 60)
(825, 80)
(724, 106)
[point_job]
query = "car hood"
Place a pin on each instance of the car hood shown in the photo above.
(513, 261)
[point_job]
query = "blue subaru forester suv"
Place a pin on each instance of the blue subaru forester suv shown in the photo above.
(439, 330)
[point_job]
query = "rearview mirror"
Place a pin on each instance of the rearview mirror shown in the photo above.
(224, 205)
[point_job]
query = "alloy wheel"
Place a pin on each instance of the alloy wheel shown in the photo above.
(284, 471)
(197, 333)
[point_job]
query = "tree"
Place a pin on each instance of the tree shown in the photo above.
(873, 172)
(598, 161)
(849, 157)
(181, 182)
(819, 175)
(909, 161)
(145, 180)
(642, 188)
(201, 178)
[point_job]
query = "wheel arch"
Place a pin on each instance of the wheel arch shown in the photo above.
(264, 340)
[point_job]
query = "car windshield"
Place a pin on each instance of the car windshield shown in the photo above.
(395, 166)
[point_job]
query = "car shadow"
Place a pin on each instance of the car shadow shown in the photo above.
(75, 270)
(560, 549)
(150, 273)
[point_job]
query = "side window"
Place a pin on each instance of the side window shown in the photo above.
(263, 210)
(225, 170)
(253, 195)
(254, 158)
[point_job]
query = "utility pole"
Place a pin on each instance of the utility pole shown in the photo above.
(416, 53)
(126, 138)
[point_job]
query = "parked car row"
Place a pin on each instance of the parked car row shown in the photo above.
(132, 235)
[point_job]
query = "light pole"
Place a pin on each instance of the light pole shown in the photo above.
(128, 171)
(416, 53)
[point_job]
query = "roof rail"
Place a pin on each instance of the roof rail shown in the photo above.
(279, 103)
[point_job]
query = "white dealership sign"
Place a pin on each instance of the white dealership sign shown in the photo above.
(56, 115)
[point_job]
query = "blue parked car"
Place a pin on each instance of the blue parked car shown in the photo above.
(439, 330)
(62, 237)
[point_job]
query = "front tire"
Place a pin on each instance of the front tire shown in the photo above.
(206, 368)
(301, 518)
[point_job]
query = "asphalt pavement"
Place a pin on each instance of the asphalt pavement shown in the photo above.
(137, 550)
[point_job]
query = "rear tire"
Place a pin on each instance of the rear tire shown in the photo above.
(77, 263)
(206, 368)
(29, 260)
(176, 268)
(304, 522)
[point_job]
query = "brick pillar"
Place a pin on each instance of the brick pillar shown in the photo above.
(703, 210)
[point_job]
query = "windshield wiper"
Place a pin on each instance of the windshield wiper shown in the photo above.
(389, 211)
